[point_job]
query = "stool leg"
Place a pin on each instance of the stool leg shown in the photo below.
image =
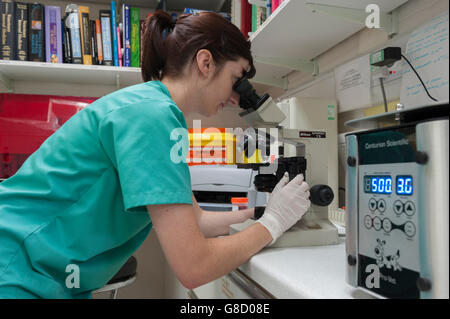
(114, 294)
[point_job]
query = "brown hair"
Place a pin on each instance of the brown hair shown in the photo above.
(169, 46)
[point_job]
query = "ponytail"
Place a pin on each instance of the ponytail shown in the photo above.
(167, 53)
(154, 51)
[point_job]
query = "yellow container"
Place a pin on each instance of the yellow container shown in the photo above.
(211, 147)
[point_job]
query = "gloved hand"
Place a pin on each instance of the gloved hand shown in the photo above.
(283, 181)
(286, 207)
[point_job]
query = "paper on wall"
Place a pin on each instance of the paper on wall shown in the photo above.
(427, 50)
(353, 84)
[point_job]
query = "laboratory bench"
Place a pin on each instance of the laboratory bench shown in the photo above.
(316, 272)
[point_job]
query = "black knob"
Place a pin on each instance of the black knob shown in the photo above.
(321, 195)
(351, 161)
(424, 284)
(351, 260)
(421, 158)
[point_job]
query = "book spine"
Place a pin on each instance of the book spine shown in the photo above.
(67, 42)
(98, 34)
(261, 16)
(254, 15)
(86, 50)
(8, 30)
(135, 37)
(64, 42)
(141, 32)
(36, 37)
(114, 33)
(53, 45)
(126, 35)
(21, 43)
(105, 21)
(246, 18)
(73, 24)
(119, 48)
(93, 39)
(268, 8)
(275, 4)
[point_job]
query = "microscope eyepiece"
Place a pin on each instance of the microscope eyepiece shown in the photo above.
(249, 100)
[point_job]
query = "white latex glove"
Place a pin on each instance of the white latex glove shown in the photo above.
(283, 181)
(286, 207)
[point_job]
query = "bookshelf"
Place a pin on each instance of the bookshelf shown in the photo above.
(69, 74)
(25, 77)
(295, 34)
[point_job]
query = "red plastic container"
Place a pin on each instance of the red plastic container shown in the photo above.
(26, 121)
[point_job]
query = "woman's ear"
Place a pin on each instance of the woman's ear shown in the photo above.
(205, 63)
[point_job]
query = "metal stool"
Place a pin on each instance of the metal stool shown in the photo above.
(124, 277)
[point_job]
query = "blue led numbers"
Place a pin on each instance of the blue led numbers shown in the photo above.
(405, 185)
(378, 184)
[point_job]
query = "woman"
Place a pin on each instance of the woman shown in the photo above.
(88, 197)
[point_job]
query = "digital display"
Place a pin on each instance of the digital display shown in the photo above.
(404, 185)
(378, 184)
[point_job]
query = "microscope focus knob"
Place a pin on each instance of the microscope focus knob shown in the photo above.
(321, 195)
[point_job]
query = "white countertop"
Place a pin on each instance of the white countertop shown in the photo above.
(316, 272)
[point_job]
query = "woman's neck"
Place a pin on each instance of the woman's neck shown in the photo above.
(181, 93)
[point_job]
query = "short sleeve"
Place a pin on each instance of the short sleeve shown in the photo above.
(138, 138)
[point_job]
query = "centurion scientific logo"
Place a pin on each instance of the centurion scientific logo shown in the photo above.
(388, 143)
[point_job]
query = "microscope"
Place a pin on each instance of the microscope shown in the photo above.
(297, 151)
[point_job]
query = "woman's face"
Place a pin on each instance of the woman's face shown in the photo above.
(218, 91)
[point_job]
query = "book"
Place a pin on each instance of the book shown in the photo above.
(126, 35)
(236, 12)
(114, 33)
(105, 22)
(65, 43)
(86, 48)
(254, 17)
(36, 37)
(119, 47)
(268, 8)
(246, 18)
(275, 4)
(8, 31)
(135, 37)
(93, 39)
(21, 25)
(197, 11)
(261, 15)
(53, 44)
(72, 24)
(98, 35)
(142, 31)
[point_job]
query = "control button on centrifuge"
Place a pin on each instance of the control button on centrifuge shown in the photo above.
(409, 229)
(368, 222)
(377, 223)
(398, 207)
(387, 225)
(372, 204)
(381, 205)
(410, 209)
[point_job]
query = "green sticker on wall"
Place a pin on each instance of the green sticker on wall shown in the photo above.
(331, 112)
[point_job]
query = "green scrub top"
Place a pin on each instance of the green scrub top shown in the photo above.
(76, 210)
